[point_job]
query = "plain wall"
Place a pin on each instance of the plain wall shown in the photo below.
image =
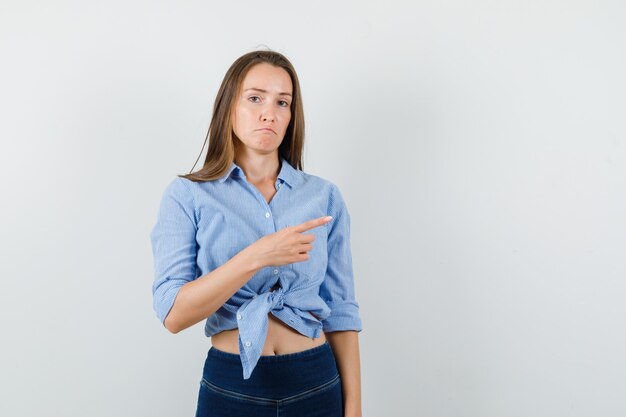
(480, 147)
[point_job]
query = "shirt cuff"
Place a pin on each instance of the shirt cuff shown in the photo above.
(344, 315)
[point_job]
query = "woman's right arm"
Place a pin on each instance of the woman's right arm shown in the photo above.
(182, 300)
(200, 298)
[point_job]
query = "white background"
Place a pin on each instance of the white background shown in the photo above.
(480, 147)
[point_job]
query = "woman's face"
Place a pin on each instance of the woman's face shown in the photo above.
(264, 103)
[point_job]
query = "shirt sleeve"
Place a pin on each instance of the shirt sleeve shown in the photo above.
(337, 289)
(174, 247)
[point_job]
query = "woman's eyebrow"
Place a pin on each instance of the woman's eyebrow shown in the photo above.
(265, 91)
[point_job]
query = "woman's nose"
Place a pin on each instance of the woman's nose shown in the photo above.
(267, 117)
(268, 114)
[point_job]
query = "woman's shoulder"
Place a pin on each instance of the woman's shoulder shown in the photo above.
(319, 182)
(329, 189)
(184, 186)
(183, 191)
(178, 187)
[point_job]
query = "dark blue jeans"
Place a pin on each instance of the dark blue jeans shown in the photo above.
(302, 384)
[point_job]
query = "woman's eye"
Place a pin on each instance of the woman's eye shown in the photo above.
(283, 102)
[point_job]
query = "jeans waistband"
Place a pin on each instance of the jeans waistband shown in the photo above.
(274, 376)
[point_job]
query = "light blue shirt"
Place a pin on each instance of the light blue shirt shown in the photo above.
(201, 225)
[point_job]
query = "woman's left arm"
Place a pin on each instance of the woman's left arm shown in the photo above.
(345, 345)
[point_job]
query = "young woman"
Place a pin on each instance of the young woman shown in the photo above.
(246, 244)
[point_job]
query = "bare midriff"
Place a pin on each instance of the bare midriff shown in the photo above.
(281, 339)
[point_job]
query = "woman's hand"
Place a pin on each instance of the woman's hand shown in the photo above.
(286, 246)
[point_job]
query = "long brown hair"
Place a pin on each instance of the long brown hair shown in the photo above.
(222, 145)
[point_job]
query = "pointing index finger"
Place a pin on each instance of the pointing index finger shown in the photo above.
(310, 224)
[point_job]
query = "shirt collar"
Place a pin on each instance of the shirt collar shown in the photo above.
(287, 173)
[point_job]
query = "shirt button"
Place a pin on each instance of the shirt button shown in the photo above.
(248, 344)
(267, 214)
(238, 316)
(275, 271)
